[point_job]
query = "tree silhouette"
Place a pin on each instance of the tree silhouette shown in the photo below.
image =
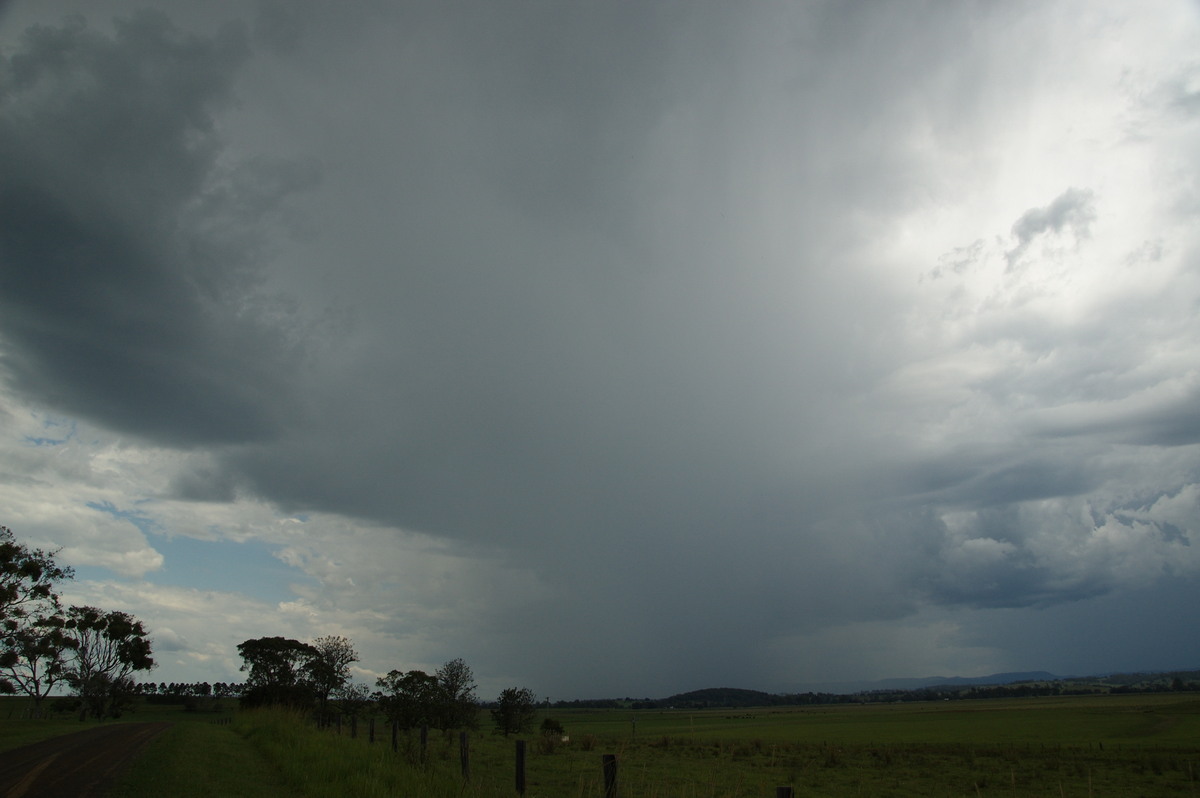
(109, 646)
(514, 711)
(329, 669)
(279, 672)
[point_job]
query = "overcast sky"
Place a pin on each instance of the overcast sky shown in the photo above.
(618, 348)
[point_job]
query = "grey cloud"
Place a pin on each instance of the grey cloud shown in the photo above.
(1160, 418)
(205, 484)
(960, 259)
(1073, 210)
(1028, 480)
(1126, 627)
(583, 352)
(997, 475)
(125, 289)
(1176, 426)
(1052, 552)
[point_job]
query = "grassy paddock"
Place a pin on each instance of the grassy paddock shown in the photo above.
(1093, 746)
(1070, 720)
(1089, 747)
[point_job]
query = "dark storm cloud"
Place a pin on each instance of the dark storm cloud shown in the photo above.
(125, 292)
(587, 349)
(618, 308)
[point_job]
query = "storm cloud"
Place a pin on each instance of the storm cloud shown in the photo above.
(683, 339)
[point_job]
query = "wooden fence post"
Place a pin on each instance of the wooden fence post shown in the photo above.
(783, 792)
(354, 727)
(609, 763)
(520, 767)
(395, 736)
(464, 755)
(371, 737)
(424, 743)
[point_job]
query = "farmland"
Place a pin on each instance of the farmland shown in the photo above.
(1109, 745)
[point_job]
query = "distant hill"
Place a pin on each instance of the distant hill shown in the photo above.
(921, 683)
(959, 681)
(737, 697)
(722, 697)
(996, 685)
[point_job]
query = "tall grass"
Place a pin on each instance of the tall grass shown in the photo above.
(320, 763)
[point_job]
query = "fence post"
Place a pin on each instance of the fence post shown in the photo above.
(395, 736)
(609, 763)
(371, 738)
(424, 743)
(783, 792)
(464, 755)
(354, 727)
(520, 767)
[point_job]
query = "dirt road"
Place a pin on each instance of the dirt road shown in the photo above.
(75, 765)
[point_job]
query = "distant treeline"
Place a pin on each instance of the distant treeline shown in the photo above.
(730, 697)
(176, 692)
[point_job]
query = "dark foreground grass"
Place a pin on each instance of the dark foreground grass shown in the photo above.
(16, 733)
(202, 760)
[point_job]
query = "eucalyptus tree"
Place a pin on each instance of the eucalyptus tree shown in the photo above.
(329, 668)
(278, 672)
(109, 646)
(27, 578)
(410, 699)
(33, 656)
(34, 641)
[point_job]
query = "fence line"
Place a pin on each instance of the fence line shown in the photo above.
(608, 762)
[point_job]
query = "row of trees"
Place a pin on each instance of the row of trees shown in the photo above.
(444, 699)
(190, 690)
(316, 675)
(287, 672)
(42, 644)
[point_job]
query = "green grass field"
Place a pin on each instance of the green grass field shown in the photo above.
(1119, 746)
